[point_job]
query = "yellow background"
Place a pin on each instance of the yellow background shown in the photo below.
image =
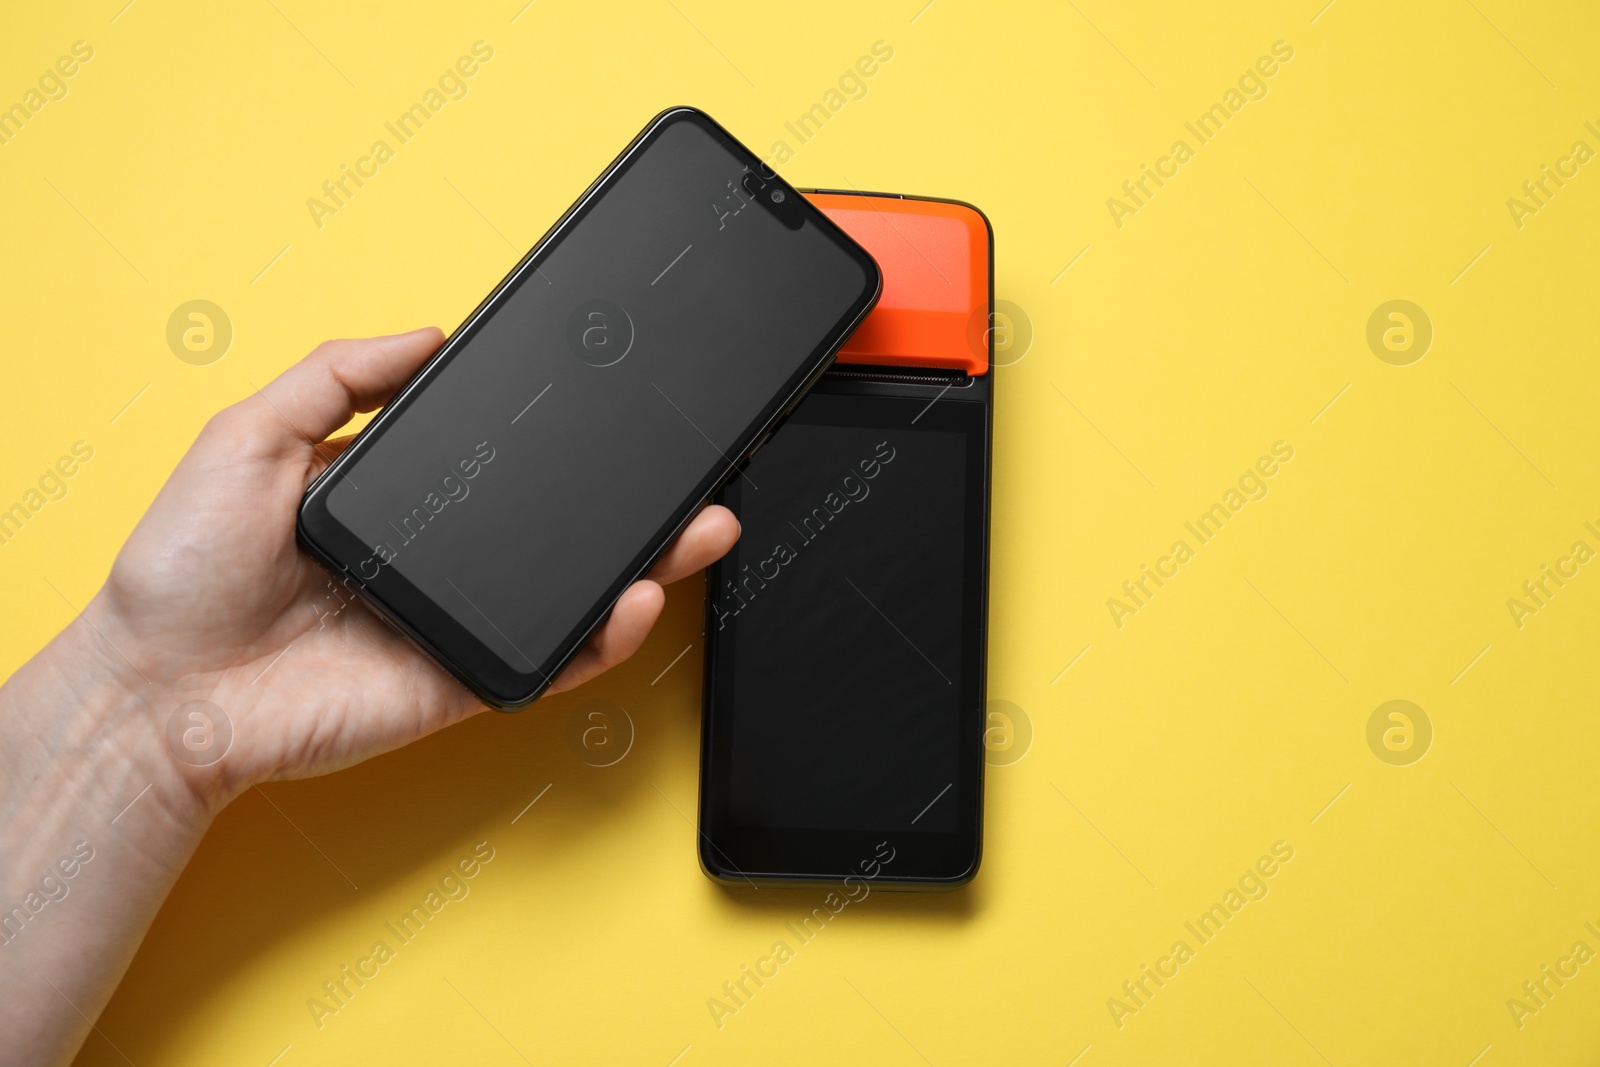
(1223, 717)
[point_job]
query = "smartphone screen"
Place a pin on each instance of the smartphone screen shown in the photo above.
(572, 425)
(845, 635)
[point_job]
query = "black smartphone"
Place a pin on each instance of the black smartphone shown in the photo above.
(846, 632)
(574, 423)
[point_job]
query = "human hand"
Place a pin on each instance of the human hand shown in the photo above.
(211, 598)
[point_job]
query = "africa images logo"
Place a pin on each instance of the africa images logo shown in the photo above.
(453, 488)
(600, 332)
(853, 488)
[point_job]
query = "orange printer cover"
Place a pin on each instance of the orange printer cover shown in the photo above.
(935, 257)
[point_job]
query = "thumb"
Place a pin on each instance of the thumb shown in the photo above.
(319, 394)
